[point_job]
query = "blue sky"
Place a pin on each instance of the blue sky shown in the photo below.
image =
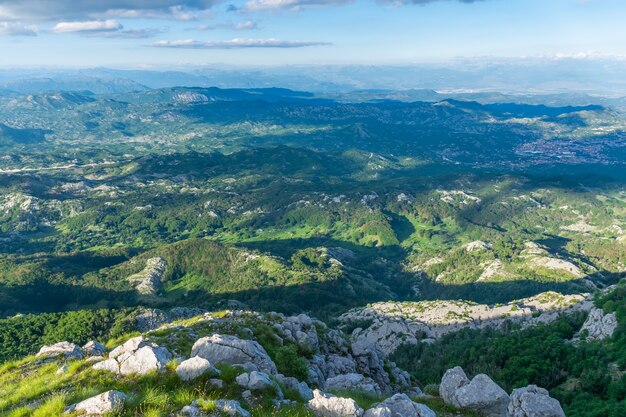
(162, 33)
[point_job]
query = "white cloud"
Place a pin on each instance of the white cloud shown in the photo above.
(235, 44)
(245, 25)
(87, 26)
(258, 5)
(131, 33)
(17, 29)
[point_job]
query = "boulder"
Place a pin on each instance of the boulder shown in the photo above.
(130, 345)
(67, 349)
(533, 401)
(100, 404)
(352, 382)
(327, 405)
(145, 360)
(135, 356)
(480, 395)
(399, 405)
(109, 365)
(194, 367)
(293, 384)
(93, 348)
(452, 380)
(231, 350)
(220, 408)
(255, 381)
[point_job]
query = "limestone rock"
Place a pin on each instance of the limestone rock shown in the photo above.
(221, 408)
(480, 395)
(145, 360)
(256, 381)
(194, 367)
(352, 382)
(135, 356)
(231, 350)
(110, 365)
(599, 325)
(291, 383)
(93, 348)
(399, 405)
(452, 380)
(148, 281)
(100, 404)
(67, 349)
(533, 401)
(327, 405)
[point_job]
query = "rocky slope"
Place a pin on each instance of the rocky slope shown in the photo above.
(385, 326)
(244, 363)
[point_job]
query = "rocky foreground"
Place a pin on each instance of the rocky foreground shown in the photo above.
(224, 351)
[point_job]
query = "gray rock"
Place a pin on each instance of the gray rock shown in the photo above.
(93, 348)
(452, 380)
(135, 356)
(255, 380)
(217, 383)
(151, 319)
(352, 382)
(533, 401)
(145, 360)
(399, 405)
(231, 350)
(327, 405)
(480, 395)
(100, 404)
(194, 367)
(67, 349)
(130, 345)
(293, 384)
(598, 325)
(221, 408)
(109, 365)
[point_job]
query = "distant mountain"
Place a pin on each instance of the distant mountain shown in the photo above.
(78, 82)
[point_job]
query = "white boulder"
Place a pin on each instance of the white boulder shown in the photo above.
(99, 405)
(231, 350)
(399, 405)
(352, 382)
(532, 401)
(194, 367)
(67, 349)
(327, 405)
(480, 395)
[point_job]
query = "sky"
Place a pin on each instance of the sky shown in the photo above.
(169, 33)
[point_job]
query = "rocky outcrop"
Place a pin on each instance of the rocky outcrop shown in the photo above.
(327, 405)
(480, 395)
(352, 382)
(195, 367)
(136, 356)
(291, 383)
(533, 401)
(258, 381)
(598, 325)
(94, 348)
(391, 324)
(99, 405)
(67, 349)
(231, 350)
(399, 405)
(148, 281)
(220, 408)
